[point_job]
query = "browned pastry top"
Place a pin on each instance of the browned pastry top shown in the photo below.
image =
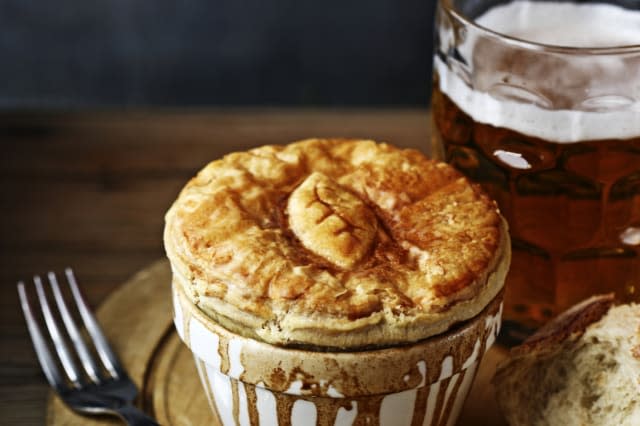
(336, 243)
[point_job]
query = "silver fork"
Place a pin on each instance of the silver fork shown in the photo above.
(99, 390)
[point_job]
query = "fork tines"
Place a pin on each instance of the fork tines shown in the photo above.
(74, 375)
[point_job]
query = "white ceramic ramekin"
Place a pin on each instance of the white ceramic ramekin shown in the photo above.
(248, 382)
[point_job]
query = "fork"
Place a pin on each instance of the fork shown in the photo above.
(99, 390)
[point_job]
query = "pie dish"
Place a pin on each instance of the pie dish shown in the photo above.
(249, 382)
(336, 282)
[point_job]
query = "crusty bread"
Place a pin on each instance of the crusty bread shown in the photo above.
(582, 369)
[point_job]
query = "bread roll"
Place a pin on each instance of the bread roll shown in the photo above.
(581, 369)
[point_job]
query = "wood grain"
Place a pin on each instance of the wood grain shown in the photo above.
(89, 189)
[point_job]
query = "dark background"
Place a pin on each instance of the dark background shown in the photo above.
(114, 53)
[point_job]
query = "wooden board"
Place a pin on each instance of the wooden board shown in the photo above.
(137, 319)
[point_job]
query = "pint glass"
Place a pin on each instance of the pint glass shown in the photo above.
(539, 102)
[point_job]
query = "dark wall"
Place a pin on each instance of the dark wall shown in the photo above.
(74, 53)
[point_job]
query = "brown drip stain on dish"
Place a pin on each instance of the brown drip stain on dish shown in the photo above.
(438, 412)
(284, 406)
(252, 404)
(368, 411)
(413, 377)
(347, 384)
(452, 397)
(327, 409)
(420, 406)
(236, 401)
(309, 384)
(223, 351)
(278, 378)
(465, 351)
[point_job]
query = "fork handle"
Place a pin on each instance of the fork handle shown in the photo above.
(135, 417)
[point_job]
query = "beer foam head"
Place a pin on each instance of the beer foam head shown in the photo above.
(565, 24)
(561, 97)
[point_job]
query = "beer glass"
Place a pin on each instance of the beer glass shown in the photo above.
(539, 102)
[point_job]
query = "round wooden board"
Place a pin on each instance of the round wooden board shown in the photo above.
(137, 319)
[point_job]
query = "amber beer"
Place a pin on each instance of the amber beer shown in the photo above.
(553, 134)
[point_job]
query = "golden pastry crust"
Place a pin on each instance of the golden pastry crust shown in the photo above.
(336, 244)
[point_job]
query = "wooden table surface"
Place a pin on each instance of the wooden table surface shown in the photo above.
(89, 190)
